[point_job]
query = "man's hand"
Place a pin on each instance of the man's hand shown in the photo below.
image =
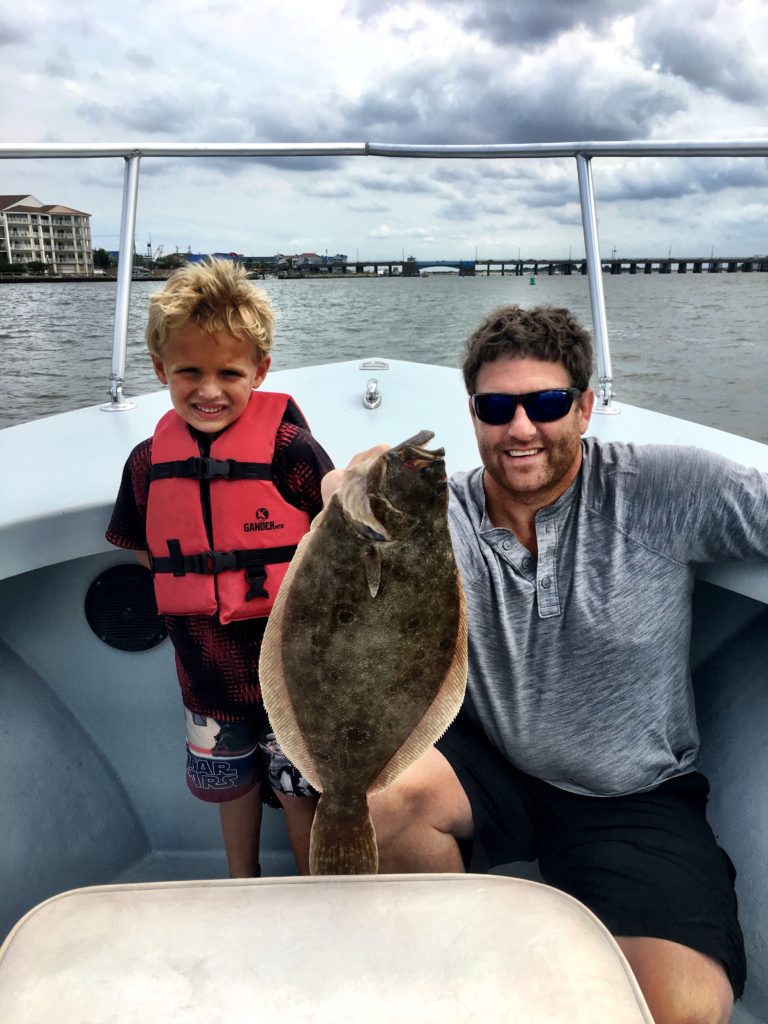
(332, 481)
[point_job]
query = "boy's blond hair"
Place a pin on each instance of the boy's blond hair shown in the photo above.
(215, 296)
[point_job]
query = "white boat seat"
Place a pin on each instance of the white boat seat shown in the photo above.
(395, 948)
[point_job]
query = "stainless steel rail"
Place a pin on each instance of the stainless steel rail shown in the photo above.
(583, 152)
(117, 401)
(641, 148)
(596, 295)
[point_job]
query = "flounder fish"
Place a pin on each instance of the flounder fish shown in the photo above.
(364, 660)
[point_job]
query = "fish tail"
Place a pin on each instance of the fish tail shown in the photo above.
(342, 841)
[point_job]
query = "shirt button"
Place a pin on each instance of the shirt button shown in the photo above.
(546, 583)
(526, 563)
(506, 544)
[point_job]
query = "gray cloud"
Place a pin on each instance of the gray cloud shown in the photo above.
(575, 104)
(697, 50)
(675, 179)
(370, 207)
(11, 34)
(109, 176)
(413, 183)
(141, 59)
(489, 71)
(508, 23)
(471, 102)
(232, 167)
(155, 114)
(389, 108)
(521, 24)
(569, 214)
(549, 198)
(459, 209)
(366, 10)
(60, 65)
(329, 188)
(525, 186)
(473, 206)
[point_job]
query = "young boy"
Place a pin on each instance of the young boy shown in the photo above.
(215, 503)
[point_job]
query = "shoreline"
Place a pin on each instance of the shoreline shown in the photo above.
(105, 279)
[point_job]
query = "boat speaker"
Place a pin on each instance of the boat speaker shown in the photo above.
(121, 609)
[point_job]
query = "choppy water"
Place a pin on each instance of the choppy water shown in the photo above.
(694, 346)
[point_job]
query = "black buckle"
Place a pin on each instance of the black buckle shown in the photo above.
(197, 563)
(257, 577)
(212, 468)
(222, 561)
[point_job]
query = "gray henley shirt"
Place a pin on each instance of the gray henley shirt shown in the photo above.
(579, 658)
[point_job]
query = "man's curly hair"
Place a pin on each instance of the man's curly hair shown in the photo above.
(544, 332)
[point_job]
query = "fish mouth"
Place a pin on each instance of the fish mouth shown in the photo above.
(417, 441)
(414, 455)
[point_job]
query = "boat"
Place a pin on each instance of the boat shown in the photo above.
(114, 901)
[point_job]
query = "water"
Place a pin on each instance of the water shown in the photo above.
(694, 346)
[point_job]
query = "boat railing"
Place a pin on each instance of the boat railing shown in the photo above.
(582, 152)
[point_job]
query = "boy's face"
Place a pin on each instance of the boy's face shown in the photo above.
(210, 376)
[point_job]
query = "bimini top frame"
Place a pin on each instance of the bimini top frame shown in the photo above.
(583, 152)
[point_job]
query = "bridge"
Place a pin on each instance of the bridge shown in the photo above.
(517, 267)
(413, 267)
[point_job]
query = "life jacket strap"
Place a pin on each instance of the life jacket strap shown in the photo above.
(204, 468)
(209, 563)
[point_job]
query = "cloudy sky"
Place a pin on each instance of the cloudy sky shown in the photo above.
(418, 71)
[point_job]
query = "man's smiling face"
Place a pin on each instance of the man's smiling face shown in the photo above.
(526, 462)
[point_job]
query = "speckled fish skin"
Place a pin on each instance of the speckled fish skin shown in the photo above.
(363, 664)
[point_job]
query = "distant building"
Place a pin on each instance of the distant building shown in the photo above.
(307, 259)
(55, 235)
(337, 264)
(312, 261)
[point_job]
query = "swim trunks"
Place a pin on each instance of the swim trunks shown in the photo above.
(647, 864)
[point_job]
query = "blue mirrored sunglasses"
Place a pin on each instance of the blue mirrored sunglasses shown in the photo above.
(540, 406)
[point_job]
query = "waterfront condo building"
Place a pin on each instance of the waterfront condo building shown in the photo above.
(54, 235)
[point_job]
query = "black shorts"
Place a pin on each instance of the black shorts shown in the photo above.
(646, 864)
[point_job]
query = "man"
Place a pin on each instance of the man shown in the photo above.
(577, 743)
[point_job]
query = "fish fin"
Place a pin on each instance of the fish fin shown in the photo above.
(274, 691)
(318, 520)
(439, 714)
(341, 844)
(372, 563)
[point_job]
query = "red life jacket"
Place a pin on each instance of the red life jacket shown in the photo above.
(254, 531)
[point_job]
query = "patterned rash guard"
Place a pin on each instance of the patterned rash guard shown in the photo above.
(218, 665)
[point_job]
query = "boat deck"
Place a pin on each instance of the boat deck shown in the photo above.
(59, 509)
(91, 755)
